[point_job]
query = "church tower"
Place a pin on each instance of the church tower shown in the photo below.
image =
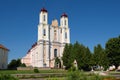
(43, 38)
(43, 27)
(64, 28)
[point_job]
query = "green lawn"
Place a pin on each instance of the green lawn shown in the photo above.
(15, 72)
(52, 74)
(30, 71)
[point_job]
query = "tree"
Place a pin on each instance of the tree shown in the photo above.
(77, 52)
(12, 64)
(113, 51)
(67, 56)
(98, 52)
(77, 56)
(22, 65)
(82, 56)
(99, 56)
(87, 59)
(15, 63)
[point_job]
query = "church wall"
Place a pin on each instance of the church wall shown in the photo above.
(47, 32)
(51, 34)
(39, 55)
(40, 31)
(47, 54)
(63, 34)
(27, 59)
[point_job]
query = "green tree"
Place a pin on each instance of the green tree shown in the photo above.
(15, 63)
(113, 51)
(82, 56)
(99, 56)
(76, 52)
(67, 56)
(12, 64)
(22, 65)
(87, 59)
(98, 52)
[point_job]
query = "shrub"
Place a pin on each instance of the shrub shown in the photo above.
(73, 75)
(77, 75)
(98, 77)
(36, 70)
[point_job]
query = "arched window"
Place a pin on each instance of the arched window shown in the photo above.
(65, 35)
(43, 17)
(44, 32)
(55, 35)
(55, 52)
(65, 22)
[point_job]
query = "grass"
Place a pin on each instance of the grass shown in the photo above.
(30, 71)
(52, 74)
(7, 77)
(16, 72)
(114, 72)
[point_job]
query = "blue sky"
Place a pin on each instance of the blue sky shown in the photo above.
(91, 22)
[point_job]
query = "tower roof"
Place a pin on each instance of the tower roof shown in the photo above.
(3, 47)
(64, 15)
(43, 10)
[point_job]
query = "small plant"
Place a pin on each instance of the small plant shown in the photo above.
(36, 70)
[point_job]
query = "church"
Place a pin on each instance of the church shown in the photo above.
(51, 41)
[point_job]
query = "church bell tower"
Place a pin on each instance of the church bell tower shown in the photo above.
(65, 28)
(43, 27)
(43, 38)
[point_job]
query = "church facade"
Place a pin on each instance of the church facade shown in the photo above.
(51, 41)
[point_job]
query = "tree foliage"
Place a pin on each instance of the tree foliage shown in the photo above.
(68, 56)
(113, 51)
(15, 63)
(76, 52)
(99, 56)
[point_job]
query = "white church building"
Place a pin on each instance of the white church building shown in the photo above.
(51, 41)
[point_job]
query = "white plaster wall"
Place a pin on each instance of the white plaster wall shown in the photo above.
(40, 32)
(47, 32)
(3, 59)
(40, 55)
(52, 51)
(51, 34)
(47, 55)
(63, 35)
(68, 34)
